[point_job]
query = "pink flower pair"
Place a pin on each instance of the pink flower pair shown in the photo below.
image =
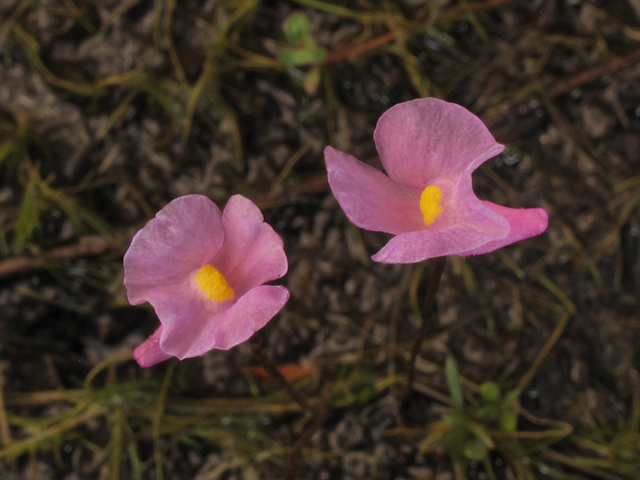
(203, 271)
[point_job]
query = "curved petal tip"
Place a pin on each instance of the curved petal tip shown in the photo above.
(524, 223)
(149, 353)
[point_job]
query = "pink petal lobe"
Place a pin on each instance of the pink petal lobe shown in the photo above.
(428, 138)
(149, 353)
(184, 313)
(460, 205)
(417, 246)
(227, 329)
(524, 222)
(252, 252)
(369, 198)
(465, 223)
(180, 239)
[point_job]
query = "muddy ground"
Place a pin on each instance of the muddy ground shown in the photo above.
(109, 109)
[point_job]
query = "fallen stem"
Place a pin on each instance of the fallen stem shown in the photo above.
(88, 246)
(359, 48)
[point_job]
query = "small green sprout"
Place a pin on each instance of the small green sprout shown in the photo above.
(302, 51)
(466, 431)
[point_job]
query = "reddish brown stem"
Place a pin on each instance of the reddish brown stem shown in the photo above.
(359, 48)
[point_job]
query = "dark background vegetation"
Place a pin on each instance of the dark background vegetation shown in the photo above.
(109, 109)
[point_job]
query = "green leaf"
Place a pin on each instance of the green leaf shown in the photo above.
(302, 56)
(29, 215)
(439, 432)
(453, 382)
(509, 421)
(474, 449)
(297, 29)
(486, 410)
(481, 434)
(456, 419)
(490, 392)
(512, 396)
(311, 81)
(5, 150)
(454, 439)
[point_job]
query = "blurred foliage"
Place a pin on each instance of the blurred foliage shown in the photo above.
(467, 431)
(303, 52)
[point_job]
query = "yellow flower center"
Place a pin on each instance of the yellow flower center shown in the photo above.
(430, 204)
(213, 284)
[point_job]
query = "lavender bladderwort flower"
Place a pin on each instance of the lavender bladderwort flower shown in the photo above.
(429, 149)
(203, 272)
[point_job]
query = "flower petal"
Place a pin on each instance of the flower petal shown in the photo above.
(180, 239)
(184, 313)
(227, 329)
(369, 198)
(252, 253)
(466, 223)
(149, 353)
(417, 246)
(460, 205)
(524, 222)
(427, 138)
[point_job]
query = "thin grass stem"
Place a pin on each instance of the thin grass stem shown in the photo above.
(562, 324)
(157, 418)
(434, 284)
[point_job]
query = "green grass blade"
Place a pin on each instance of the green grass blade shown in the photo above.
(453, 382)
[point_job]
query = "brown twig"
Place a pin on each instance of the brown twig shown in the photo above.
(495, 116)
(359, 48)
(593, 73)
(87, 246)
(434, 284)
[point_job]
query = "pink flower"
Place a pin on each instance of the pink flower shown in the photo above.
(203, 273)
(429, 149)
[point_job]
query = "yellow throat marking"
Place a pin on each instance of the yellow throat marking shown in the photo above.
(213, 284)
(430, 204)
